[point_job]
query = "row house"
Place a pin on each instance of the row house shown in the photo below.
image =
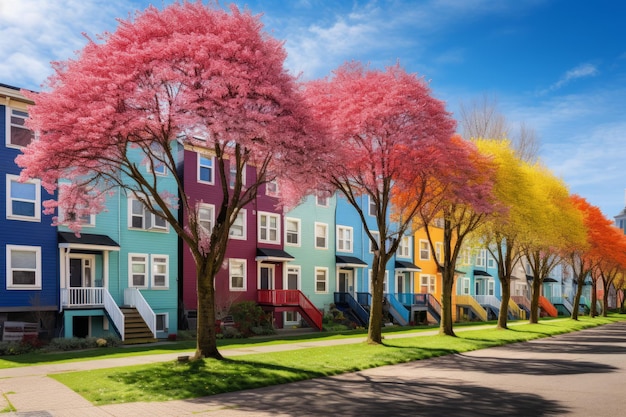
(255, 263)
(29, 287)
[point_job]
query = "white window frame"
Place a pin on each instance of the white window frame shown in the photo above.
(244, 218)
(438, 251)
(376, 237)
(371, 206)
(345, 244)
(211, 168)
(466, 257)
(232, 175)
(149, 219)
(244, 264)
(316, 237)
(210, 220)
(404, 248)
(465, 286)
(491, 261)
(271, 188)
(491, 287)
(296, 270)
(166, 320)
(481, 255)
(324, 270)
(10, 285)
(9, 124)
(322, 200)
(146, 273)
(161, 171)
(11, 179)
(153, 271)
(424, 250)
(288, 232)
(267, 228)
(430, 283)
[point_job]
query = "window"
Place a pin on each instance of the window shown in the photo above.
(385, 280)
(321, 280)
(491, 261)
(23, 267)
(438, 251)
(271, 188)
(142, 218)
(160, 271)
(321, 235)
(465, 289)
(466, 257)
(427, 284)
(321, 200)
(372, 207)
(206, 217)
(344, 239)
(404, 248)
(237, 274)
(376, 238)
(292, 232)
(480, 257)
(161, 322)
(155, 161)
(138, 267)
(269, 227)
(424, 250)
(238, 228)
(23, 199)
(490, 287)
(233, 175)
(205, 169)
(17, 134)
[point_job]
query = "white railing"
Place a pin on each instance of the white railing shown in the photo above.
(94, 297)
(133, 298)
(488, 300)
(114, 312)
(82, 296)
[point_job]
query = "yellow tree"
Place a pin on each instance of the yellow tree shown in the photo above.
(555, 227)
(501, 232)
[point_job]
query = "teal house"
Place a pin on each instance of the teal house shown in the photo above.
(119, 275)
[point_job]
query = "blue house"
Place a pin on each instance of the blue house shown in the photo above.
(29, 286)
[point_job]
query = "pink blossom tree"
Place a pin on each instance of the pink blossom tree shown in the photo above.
(189, 72)
(390, 133)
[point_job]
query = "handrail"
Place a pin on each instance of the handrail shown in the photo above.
(469, 301)
(114, 312)
(434, 304)
(488, 300)
(364, 298)
(561, 300)
(521, 301)
(82, 296)
(134, 298)
(515, 310)
(398, 310)
(357, 308)
(547, 306)
(292, 298)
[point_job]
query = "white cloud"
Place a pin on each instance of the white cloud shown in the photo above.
(581, 71)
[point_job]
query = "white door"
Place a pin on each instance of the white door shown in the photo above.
(292, 282)
(346, 281)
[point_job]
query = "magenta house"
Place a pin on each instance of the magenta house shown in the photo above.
(254, 267)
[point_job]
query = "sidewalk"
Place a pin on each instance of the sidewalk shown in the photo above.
(33, 394)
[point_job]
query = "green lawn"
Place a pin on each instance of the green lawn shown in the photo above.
(173, 380)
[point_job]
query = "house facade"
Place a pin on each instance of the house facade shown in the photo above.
(29, 287)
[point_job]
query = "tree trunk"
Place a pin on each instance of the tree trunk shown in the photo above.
(594, 298)
(579, 292)
(445, 325)
(605, 303)
(206, 340)
(504, 304)
(534, 301)
(374, 330)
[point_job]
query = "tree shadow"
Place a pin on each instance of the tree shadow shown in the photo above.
(521, 366)
(359, 394)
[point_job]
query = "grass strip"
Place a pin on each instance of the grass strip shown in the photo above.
(172, 380)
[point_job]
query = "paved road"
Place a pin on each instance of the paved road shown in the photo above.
(578, 374)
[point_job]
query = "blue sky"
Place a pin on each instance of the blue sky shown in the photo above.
(559, 66)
